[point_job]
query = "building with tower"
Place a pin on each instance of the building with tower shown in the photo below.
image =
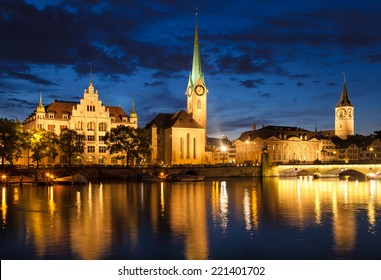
(344, 115)
(89, 118)
(296, 145)
(180, 138)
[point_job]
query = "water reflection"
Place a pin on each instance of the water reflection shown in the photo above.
(213, 219)
(220, 205)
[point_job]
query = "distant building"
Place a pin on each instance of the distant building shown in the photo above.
(297, 145)
(89, 117)
(222, 150)
(284, 144)
(180, 138)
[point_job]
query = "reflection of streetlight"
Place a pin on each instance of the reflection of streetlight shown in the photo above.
(223, 150)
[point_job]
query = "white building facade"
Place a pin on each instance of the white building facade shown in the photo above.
(89, 118)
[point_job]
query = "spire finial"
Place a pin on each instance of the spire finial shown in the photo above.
(40, 107)
(41, 95)
(133, 113)
(344, 76)
(91, 73)
(196, 11)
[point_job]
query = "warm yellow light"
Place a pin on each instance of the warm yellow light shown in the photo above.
(223, 149)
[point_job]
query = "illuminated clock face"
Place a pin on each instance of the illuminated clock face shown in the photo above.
(189, 91)
(200, 90)
(341, 113)
(350, 113)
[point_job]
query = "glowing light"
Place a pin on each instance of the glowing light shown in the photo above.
(4, 205)
(162, 202)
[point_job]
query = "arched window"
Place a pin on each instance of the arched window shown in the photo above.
(198, 104)
(79, 125)
(90, 126)
(102, 126)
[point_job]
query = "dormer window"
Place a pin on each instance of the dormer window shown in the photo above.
(51, 115)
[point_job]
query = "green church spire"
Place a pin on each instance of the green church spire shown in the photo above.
(196, 74)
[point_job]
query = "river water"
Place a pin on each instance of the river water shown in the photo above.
(269, 219)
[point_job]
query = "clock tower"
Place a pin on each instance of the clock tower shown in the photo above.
(196, 90)
(344, 115)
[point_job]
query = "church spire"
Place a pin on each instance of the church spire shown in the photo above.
(196, 74)
(40, 107)
(133, 113)
(344, 98)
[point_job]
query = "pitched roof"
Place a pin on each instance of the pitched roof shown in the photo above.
(344, 99)
(59, 107)
(283, 132)
(117, 112)
(180, 119)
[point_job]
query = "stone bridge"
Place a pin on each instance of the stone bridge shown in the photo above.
(357, 171)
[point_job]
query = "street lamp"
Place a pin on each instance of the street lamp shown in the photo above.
(371, 153)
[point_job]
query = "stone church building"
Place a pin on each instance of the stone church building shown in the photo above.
(180, 138)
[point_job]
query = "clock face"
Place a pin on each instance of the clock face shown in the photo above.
(350, 113)
(341, 113)
(200, 90)
(189, 91)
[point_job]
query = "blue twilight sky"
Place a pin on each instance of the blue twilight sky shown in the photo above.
(265, 62)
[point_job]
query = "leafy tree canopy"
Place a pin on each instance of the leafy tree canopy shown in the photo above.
(132, 143)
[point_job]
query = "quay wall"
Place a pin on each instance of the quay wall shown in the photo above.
(122, 173)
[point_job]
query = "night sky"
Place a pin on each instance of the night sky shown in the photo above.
(265, 62)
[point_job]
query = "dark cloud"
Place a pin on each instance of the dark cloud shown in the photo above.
(264, 94)
(146, 47)
(252, 83)
(30, 77)
(153, 84)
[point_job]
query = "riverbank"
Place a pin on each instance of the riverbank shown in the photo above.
(99, 173)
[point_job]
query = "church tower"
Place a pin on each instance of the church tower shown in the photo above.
(196, 89)
(344, 115)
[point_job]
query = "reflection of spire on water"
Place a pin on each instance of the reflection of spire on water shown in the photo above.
(188, 218)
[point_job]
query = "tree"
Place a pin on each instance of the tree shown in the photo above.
(131, 142)
(43, 144)
(12, 140)
(71, 143)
